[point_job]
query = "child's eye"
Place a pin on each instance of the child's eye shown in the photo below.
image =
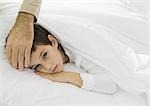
(37, 67)
(44, 55)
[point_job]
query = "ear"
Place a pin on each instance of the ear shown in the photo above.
(53, 40)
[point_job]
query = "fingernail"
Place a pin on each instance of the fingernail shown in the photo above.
(26, 65)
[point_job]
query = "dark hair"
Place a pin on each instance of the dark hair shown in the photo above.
(41, 38)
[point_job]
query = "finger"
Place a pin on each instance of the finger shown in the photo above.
(27, 56)
(14, 57)
(21, 59)
(8, 52)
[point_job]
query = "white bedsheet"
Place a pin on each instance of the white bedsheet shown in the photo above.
(28, 89)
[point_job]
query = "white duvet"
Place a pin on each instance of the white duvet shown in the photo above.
(28, 89)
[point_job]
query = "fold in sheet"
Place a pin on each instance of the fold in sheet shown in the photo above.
(97, 43)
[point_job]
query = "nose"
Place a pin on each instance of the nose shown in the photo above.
(47, 66)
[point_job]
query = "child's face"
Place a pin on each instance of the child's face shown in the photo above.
(47, 58)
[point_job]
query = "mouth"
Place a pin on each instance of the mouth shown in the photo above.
(55, 68)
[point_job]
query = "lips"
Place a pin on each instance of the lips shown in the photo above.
(54, 68)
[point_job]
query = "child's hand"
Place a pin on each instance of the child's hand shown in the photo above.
(56, 77)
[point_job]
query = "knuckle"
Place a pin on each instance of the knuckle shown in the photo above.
(8, 45)
(28, 53)
(20, 55)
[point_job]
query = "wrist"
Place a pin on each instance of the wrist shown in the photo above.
(25, 17)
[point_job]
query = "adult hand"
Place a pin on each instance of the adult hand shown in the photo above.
(19, 42)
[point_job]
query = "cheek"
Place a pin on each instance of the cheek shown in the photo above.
(51, 54)
(55, 56)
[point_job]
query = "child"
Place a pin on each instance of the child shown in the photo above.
(48, 57)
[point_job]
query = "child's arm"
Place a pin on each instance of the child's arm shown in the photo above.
(99, 82)
(75, 78)
(65, 77)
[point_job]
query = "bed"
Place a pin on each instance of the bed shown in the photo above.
(25, 88)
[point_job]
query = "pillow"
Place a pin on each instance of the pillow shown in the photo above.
(25, 88)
